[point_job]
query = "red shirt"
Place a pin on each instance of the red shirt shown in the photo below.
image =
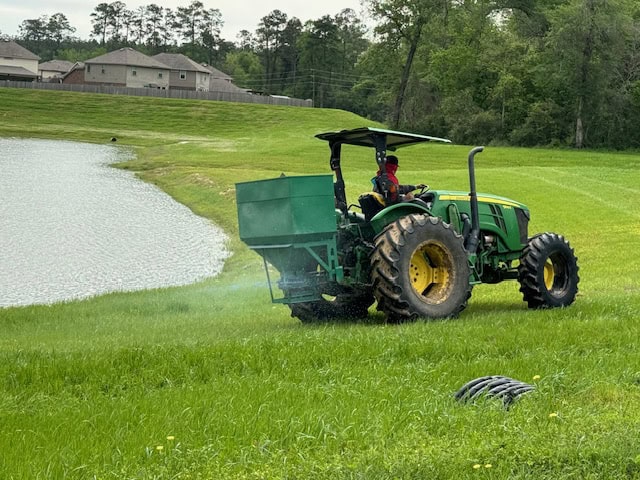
(391, 172)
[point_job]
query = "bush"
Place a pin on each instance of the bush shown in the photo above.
(541, 127)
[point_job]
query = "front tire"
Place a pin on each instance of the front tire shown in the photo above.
(420, 269)
(548, 272)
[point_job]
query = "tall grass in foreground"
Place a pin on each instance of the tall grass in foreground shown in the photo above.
(213, 381)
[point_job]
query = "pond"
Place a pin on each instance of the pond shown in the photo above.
(72, 226)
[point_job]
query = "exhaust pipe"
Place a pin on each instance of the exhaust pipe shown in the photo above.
(474, 236)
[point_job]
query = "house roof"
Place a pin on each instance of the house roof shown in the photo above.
(11, 71)
(61, 66)
(177, 61)
(218, 85)
(127, 56)
(215, 73)
(11, 49)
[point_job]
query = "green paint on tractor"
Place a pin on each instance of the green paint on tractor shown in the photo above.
(416, 257)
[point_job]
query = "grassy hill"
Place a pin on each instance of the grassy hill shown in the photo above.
(213, 381)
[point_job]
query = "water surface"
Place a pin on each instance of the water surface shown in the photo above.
(71, 226)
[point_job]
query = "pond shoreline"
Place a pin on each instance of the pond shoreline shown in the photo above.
(72, 227)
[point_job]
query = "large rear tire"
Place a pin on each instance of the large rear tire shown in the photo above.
(420, 269)
(343, 306)
(548, 272)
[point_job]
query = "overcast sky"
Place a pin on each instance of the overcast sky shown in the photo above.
(236, 14)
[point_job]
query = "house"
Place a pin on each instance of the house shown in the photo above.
(53, 70)
(17, 63)
(126, 67)
(185, 73)
(221, 82)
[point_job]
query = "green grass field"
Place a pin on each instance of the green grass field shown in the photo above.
(212, 381)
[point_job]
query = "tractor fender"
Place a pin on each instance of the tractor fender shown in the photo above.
(394, 212)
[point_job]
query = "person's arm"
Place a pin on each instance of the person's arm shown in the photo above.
(404, 189)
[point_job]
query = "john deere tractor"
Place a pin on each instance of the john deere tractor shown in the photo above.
(418, 257)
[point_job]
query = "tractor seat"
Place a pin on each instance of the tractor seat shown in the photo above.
(371, 203)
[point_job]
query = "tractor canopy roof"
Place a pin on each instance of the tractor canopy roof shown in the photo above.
(370, 137)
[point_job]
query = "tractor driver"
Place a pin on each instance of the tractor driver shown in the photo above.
(404, 192)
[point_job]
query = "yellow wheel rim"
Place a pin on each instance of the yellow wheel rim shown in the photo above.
(429, 270)
(549, 274)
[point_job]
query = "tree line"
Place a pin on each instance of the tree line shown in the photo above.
(514, 72)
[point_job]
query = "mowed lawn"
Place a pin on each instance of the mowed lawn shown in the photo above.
(212, 381)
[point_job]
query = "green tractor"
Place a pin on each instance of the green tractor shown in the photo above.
(418, 258)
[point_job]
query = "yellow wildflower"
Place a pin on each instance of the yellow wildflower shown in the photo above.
(477, 466)
(159, 448)
(171, 438)
(536, 377)
(553, 415)
(488, 465)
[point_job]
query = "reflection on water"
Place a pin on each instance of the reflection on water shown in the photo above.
(73, 227)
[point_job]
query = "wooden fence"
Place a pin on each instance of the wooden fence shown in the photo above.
(153, 92)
